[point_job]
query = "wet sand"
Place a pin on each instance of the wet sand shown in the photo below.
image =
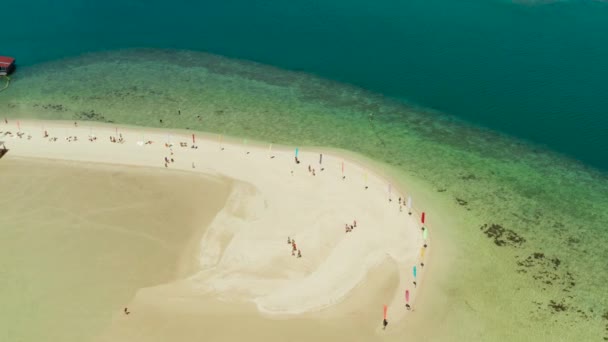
(77, 240)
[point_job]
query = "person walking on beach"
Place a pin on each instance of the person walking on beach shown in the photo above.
(299, 254)
(127, 311)
(384, 323)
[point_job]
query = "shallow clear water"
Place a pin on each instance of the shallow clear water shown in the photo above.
(528, 225)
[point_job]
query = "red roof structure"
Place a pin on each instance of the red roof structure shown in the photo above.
(6, 61)
(7, 65)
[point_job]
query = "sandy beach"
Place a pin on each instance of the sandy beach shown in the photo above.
(238, 277)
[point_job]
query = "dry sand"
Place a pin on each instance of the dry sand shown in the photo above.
(247, 284)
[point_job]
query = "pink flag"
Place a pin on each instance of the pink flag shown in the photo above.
(407, 296)
(385, 308)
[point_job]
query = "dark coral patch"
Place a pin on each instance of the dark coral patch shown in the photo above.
(502, 236)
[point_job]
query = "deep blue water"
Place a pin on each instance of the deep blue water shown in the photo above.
(535, 72)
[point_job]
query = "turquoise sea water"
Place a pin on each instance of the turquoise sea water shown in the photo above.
(528, 222)
(533, 71)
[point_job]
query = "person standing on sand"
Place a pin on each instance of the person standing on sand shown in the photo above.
(127, 311)
(384, 323)
(299, 254)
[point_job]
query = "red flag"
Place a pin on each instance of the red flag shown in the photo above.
(422, 217)
(385, 308)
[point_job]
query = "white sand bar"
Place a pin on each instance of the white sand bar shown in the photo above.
(244, 253)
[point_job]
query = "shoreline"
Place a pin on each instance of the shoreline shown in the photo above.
(206, 144)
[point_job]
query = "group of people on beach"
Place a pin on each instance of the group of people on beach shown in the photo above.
(19, 134)
(349, 228)
(311, 170)
(169, 160)
(294, 247)
(120, 139)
